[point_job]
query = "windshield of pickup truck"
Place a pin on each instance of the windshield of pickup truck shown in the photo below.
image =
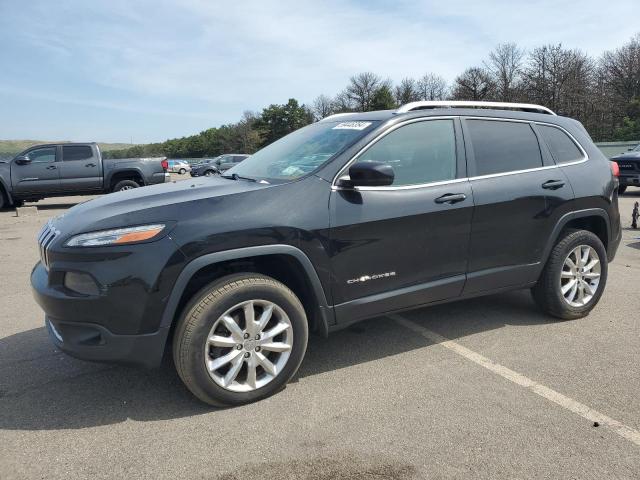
(302, 151)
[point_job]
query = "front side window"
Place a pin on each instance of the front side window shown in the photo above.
(42, 155)
(503, 146)
(302, 151)
(76, 152)
(420, 152)
(562, 148)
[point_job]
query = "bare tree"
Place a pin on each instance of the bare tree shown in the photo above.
(322, 107)
(505, 66)
(432, 87)
(342, 103)
(559, 78)
(473, 84)
(361, 90)
(406, 92)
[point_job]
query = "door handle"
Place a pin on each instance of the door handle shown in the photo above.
(553, 184)
(90, 165)
(451, 198)
(51, 167)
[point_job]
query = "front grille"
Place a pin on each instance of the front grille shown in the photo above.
(45, 239)
(627, 166)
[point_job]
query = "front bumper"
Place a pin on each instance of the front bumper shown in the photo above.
(629, 180)
(93, 342)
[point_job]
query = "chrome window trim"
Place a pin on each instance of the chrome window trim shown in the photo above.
(379, 137)
(335, 187)
(585, 155)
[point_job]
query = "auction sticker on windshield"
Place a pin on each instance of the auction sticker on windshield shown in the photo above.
(352, 126)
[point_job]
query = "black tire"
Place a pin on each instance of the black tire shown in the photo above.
(182, 171)
(210, 173)
(125, 185)
(200, 315)
(547, 293)
(18, 202)
(3, 200)
(622, 189)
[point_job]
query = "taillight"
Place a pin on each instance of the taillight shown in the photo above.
(615, 169)
(165, 164)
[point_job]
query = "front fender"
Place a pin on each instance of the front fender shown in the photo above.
(326, 315)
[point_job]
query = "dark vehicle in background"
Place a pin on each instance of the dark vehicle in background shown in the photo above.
(356, 216)
(73, 169)
(629, 165)
(215, 166)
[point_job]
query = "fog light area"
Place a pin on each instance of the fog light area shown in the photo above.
(80, 283)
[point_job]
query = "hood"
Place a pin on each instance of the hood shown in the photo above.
(627, 156)
(146, 204)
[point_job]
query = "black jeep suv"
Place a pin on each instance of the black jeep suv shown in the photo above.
(352, 217)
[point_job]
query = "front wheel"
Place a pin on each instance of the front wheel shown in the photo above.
(182, 171)
(240, 339)
(210, 173)
(574, 277)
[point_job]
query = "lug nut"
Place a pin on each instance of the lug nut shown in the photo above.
(246, 335)
(257, 337)
(246, 355)
(257, 349)
(239, 347)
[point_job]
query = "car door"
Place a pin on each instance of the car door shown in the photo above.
(405, 244)
(517, 190)
(38, 175)
(80, 169)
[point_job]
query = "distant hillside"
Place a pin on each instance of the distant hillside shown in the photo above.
(9, 148)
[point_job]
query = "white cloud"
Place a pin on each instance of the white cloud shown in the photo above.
(218, 58)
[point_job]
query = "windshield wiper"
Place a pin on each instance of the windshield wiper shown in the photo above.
(235, 176)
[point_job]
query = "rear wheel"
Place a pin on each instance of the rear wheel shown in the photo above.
(210, 173)
(182, 171)
(125, 185)
(621, 189)
(574, 277)
(240, 339)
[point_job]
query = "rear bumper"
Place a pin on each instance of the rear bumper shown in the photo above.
(93, 342)
(159, 178)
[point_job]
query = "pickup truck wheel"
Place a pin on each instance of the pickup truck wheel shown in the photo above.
(240, 339)
(621, 189)
(125, 185)
(574, 277)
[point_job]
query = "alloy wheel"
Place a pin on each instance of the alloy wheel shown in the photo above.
(580, 276)
(248, 345)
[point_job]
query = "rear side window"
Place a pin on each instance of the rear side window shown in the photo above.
(421, 152)
(560, 144)
(76, 152)
(500, 147)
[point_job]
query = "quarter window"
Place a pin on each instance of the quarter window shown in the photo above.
(421, 152)
(42, 155)
(562, 148)
(76, 152)
(500, 146)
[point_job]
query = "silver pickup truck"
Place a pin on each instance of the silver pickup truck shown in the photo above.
(73, 169)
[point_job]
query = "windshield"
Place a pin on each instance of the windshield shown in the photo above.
(302, 151)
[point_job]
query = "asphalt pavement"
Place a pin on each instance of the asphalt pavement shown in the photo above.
(485, 388)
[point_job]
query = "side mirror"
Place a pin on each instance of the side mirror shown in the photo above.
(368, 174)
(22, 160)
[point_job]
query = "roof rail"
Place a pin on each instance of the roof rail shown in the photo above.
(527, 107)
(336, 115)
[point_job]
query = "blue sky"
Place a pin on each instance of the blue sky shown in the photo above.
(117, 70)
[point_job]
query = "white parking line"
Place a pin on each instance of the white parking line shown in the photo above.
(515, 377)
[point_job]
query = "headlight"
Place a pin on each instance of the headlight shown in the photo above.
(118, 236)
